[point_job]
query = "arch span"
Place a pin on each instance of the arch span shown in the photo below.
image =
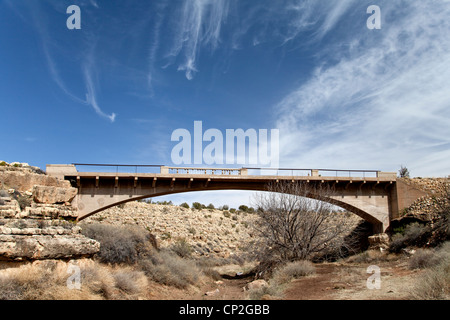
(377, 199)
(368, 205)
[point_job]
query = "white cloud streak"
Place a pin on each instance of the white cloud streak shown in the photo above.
(199, 24)
(91, 96)
(39, 21)
(385, 102)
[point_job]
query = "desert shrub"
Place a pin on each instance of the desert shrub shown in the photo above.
(10, 289)
(48, 280)
(225, 207)
(423, 258)
(184, 205)
(120, 244)
(434, 284)
(211, 273)
(414, 234)
(164, 203)
(131, 283)
(3, 164)
(23, 201)
(293, 270)
(272, 290)
(372, 256)
(210, 206)
(43, 281)
(182, 248)
(403, 172)
(198, 206)
(169, 269)
(98, 280)
(243, 208)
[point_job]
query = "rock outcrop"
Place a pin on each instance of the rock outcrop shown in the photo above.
(35, 215)
(53, 195)
(379, 241)
(425, 208)
(25, 239)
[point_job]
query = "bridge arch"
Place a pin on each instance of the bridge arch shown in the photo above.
(90, 204)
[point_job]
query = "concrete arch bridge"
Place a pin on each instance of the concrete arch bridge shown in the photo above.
(378, 197)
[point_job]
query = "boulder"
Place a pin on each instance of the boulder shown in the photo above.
(53, 195)
(379, 241)
(256, 285)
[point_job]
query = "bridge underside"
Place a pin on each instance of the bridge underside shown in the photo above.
(369, 198)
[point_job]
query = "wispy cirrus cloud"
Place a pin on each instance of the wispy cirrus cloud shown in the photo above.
(385, 102)
(91, 95)
(50, 45)
(198, 24)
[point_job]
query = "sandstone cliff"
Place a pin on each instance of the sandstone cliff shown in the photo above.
(33, 212)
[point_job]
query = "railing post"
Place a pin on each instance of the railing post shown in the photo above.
(164, 170)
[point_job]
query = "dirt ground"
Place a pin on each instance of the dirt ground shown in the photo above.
(332, 281)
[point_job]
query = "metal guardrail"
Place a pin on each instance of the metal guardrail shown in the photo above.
(316, 172)
(135, 168)
(151, 168)
(206, 171)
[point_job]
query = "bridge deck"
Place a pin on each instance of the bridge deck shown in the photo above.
(70, 171)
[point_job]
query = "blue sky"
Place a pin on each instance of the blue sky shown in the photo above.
(342, 96)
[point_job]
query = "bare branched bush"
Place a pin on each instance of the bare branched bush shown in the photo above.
(294, 224)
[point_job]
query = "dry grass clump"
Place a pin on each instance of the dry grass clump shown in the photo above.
(281, 277)
(132, 284)
(271, 291)
(170, 269)
(49, 280)
(372, 256)
(434, 284)
(293, 270)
